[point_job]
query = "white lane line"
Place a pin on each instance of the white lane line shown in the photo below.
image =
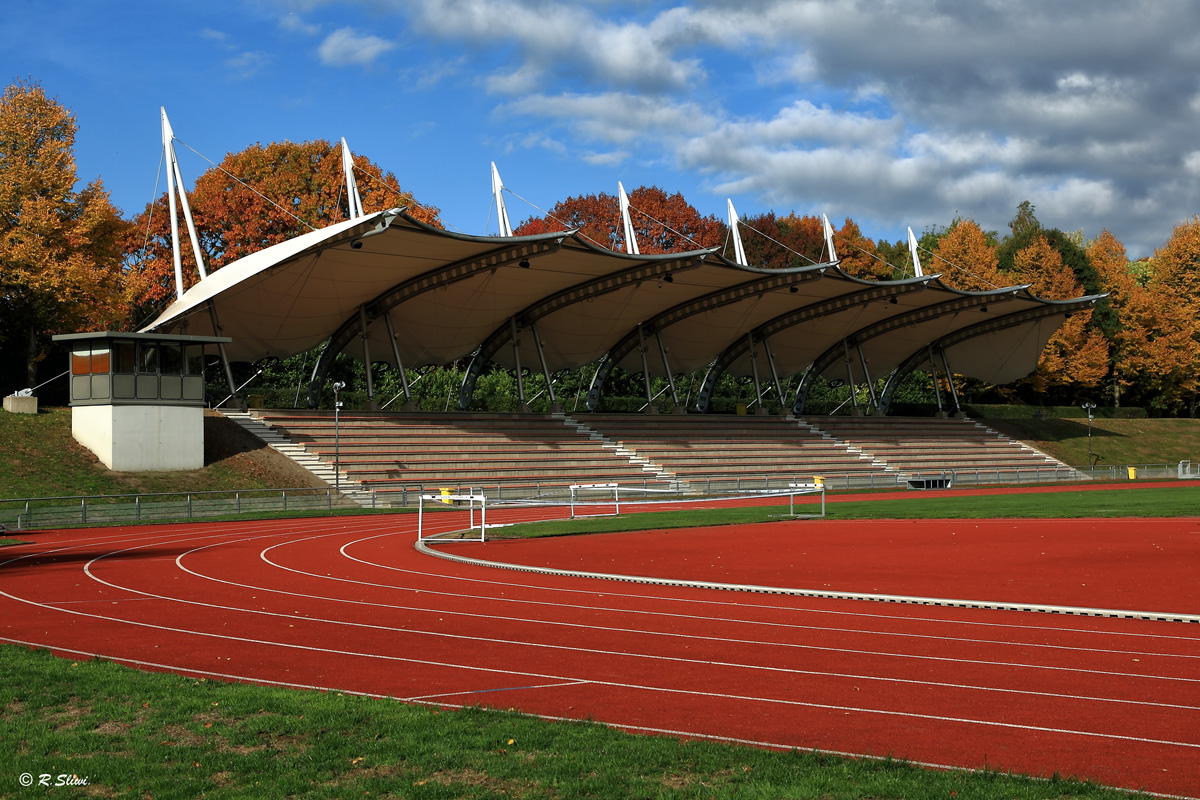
(474, 692)
(665, 690)
(720, 603)
(625, 654)
(824, 594)
(546, 717)
(509, 642)
(290, 527)
(720, 664)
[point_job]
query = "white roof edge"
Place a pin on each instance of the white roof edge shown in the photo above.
(253, 264)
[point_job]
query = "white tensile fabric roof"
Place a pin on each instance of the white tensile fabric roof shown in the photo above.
(448, 296)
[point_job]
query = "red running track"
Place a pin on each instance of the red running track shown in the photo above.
(348, 604)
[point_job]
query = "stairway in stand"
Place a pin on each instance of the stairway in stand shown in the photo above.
(350, 489)
(393, 454)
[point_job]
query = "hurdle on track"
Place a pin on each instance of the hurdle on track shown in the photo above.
(452, 499)
(615, 488)
(572, 504)
(805, 488)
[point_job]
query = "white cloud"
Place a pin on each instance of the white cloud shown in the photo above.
(901, 112)
(1191, 163)
(246, 65)
(292, 23)
(609, 159)
(345, 47)
(615, 118)
(564, 39)
(214, 35)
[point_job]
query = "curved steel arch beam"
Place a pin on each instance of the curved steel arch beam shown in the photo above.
(510, 253)
(645, 268)
(796, 317)
(856, 339)
(767, 280)
(1053, 308)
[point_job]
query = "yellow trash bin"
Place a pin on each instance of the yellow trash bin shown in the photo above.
(741, 409)
(446, 497)
(818, 480)
(1133, 473)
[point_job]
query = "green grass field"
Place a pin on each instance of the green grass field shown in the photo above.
(162, 736)
(1172, 501)
(136, 734)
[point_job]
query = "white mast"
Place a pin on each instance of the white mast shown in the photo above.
(912, 248)
(352, 196)
(501, 211)
(739, 252)
(631, 245)
(174, 182)
(829, 238)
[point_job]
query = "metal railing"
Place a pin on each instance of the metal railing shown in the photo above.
(87, 510)
(59, 512)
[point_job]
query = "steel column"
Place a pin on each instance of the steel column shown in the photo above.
(212, 313)
(537, 340)
(391, 330)
(774, 374)
(754, 369)
(937, 390)
(362, 321)
(516, 346)
(662, 350)
(867, 377)
(950, 380)
(850, 378)
(645, 370)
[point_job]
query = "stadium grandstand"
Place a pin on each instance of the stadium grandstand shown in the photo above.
(387, 288)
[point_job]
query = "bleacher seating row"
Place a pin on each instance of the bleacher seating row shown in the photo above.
(405, 451)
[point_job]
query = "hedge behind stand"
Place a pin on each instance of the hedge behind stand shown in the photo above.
(137, 400)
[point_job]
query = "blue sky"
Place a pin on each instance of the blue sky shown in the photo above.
(894, 114)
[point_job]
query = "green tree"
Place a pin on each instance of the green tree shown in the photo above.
(60, 258)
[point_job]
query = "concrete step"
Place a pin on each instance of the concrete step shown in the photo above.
(348, 488)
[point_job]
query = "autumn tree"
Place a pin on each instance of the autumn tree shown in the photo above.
(662, 223)
(1077, 353)
(256, 198)
(60, 261)
(856, 253)
(966, 259)
(775, 242)
(1160, 335)
(1108, 258)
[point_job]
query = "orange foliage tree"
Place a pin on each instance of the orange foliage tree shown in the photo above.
(857, 253)
(60, 259)
(256, 198)
(662, 223)
(966, 260)
(1076, 353)
(779, 242)
(1160, 337)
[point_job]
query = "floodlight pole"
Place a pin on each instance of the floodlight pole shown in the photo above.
(1089, 407)
(337, 405)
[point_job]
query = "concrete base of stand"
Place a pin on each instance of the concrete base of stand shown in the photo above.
(142, 438)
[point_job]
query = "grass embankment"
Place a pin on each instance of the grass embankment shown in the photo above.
(1171, 501)
(134, 734)
(1115, 442)
(40, 458)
